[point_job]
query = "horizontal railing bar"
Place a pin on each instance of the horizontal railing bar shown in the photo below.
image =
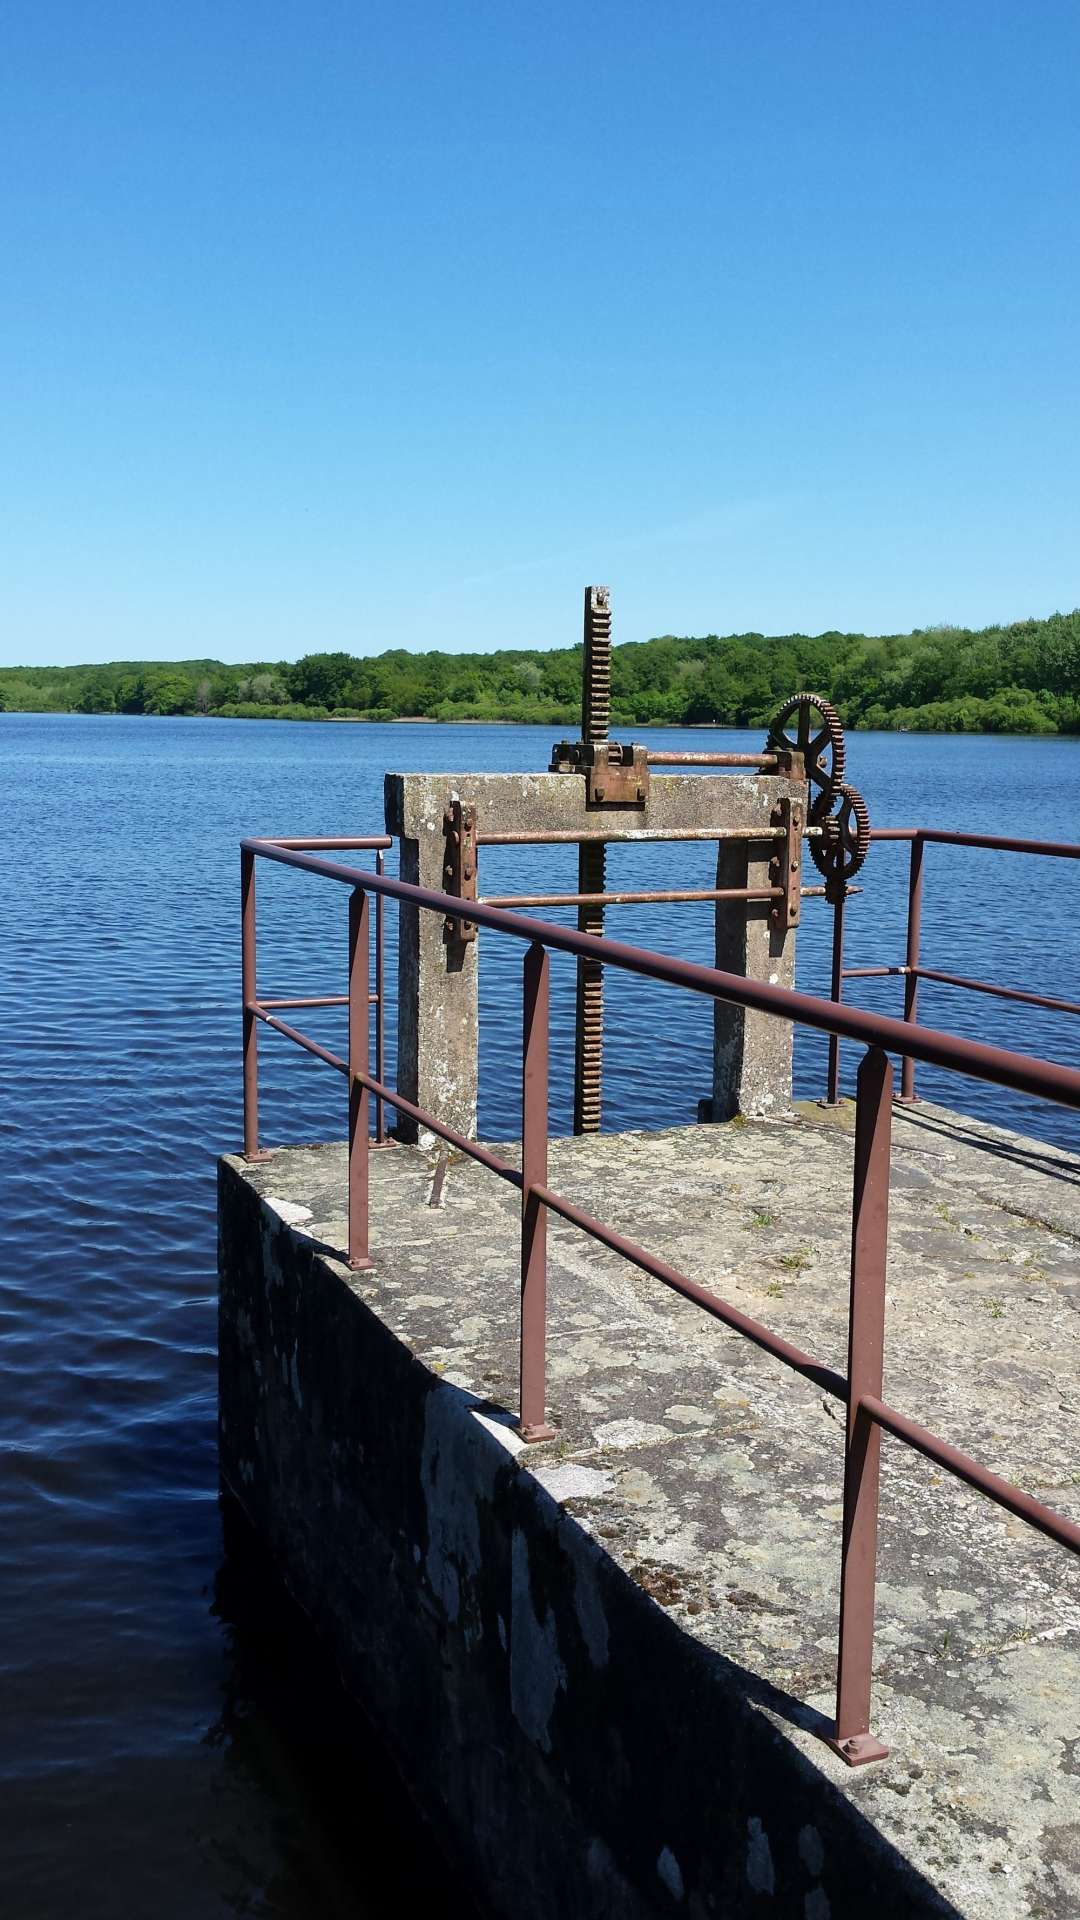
(471, 1147)
(1046, 1000)
(576, 836)
(368, 843)
(794, 1357)
(1001, 993)
(319, 1000)
(1002, 1492)
(711, 759)
(672, 898)
(1046, 1079)
(454, 1139)
(996, 842)
(302, 1039)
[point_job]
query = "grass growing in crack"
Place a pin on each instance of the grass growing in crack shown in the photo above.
(996, 1309)
(795, 1262)
(761, 1217)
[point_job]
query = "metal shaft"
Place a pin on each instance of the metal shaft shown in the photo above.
(589, 1013)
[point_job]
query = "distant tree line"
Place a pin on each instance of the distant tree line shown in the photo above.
(1023, 678)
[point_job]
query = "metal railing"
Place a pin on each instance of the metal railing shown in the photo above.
(867, 1413)
(268, 1010)
(912, 971)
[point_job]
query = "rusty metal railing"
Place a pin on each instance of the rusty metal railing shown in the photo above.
(867, 1413)
(267, 1010)
(912, 971)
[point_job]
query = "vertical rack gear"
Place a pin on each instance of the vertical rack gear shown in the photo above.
(592, 869)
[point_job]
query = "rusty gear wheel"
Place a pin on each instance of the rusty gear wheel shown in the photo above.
(839, 850)
(819, 737)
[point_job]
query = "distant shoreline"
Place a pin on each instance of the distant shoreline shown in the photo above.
(629, 728)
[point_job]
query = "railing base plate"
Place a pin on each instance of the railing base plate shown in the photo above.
(859, 1749)
(252, 1159)
(533, 1434)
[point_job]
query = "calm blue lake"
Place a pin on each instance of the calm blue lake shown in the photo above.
(160, 1753)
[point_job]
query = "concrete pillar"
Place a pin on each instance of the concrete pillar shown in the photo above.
(437, 983)
(751, 1051)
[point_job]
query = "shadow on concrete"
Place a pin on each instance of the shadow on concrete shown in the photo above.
(1018, 1152)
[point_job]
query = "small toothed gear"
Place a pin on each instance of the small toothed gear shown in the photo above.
(839, 850)
(819, 737)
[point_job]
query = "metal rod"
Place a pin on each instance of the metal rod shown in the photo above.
(1043, 1519)
(996, 842)
(974, 986)
(359, 1099)
(671, 898)
(760, 760)
(313, 1000)
(302, 1039)
(825, 1377)
(1047, 1080)
(589, 993)
(380, 1007)
(471, 1148)
(577, 836)
(832, 1096)
(534, 1157)
(367, 843)
(866, 1342)
(247, 989)
(1001, 993)
(911, 981)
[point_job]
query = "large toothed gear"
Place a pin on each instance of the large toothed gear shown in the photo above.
(839, 850)
(818, 735)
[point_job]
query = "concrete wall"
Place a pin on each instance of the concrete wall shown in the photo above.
(581, 1754)
(437, 984)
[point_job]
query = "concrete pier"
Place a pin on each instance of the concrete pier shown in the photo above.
(605, 1663)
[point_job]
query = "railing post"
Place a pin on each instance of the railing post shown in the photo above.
(832, 1095)
(248, 993)
(380, 1013)
(866, 1340)
(359, 1022)
(534, 1159)
(911, 958)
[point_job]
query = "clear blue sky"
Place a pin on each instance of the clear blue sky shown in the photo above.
(345, 325)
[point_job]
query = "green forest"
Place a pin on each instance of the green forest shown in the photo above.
(1023, 678)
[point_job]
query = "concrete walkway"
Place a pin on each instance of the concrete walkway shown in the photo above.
(713, 1476)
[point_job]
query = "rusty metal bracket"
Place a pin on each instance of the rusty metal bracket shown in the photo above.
(459, 871)
(615, 775)
(785, 866)
(790, 764)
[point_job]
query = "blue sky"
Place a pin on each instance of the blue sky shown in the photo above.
(333, 325)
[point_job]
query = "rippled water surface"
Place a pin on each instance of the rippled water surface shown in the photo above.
(162, 1753)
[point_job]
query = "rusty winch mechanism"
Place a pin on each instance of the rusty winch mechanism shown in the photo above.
(805, 743)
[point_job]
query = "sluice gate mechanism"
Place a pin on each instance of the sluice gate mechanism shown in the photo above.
(804, 748)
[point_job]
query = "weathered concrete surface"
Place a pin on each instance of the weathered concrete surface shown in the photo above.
(609, 1658)
(437, 985)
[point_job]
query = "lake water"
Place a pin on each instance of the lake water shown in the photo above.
(173, 1744)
